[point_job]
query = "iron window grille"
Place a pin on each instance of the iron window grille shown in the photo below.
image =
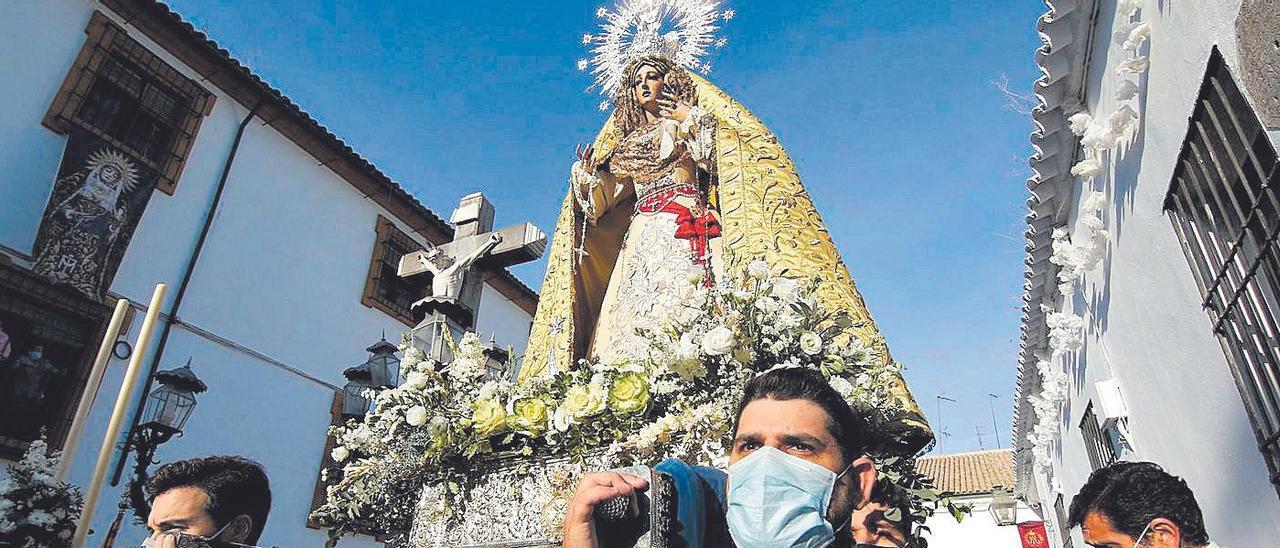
(120, 91)
(384, 289)
(1097, 442)
(1223, 204)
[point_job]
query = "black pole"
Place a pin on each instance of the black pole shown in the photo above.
(182, 291)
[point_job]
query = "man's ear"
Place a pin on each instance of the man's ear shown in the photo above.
(240, 529)
(1163, 534)
(863, 471)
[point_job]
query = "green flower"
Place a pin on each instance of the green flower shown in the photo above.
(629, 394)
(488, 418)
(529, 416)
(583, 401)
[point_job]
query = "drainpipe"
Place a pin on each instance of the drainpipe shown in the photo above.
(182, 291)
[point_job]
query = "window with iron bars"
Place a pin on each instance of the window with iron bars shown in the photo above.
(384, 289)
(122, 92)
(1096, 441)
(1224, 206)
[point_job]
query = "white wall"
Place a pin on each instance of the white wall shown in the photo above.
(978, 529)
(1145, 324)
(281, 274)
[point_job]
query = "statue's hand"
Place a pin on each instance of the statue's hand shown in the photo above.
(669, 107)
(586, 155)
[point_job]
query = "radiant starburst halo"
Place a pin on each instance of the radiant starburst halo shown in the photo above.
(680, 29)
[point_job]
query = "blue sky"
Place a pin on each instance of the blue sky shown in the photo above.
(888, 108)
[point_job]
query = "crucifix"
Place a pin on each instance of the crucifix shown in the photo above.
(458, 270)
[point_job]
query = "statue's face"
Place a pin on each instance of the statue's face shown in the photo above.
(109, 174)
(647, 85)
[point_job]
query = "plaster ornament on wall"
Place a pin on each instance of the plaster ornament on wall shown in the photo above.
(1099, 134)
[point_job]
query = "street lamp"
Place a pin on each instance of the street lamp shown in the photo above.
(166, 411)
(1004, 508)
(354, 403)
(384, 366)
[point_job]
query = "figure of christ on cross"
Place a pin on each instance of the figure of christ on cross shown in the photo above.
(448, 274)
(458, 268)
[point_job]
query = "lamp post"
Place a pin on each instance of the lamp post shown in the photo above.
(165, 412)
(1004, 508)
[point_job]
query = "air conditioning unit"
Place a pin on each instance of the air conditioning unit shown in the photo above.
(1110, 406)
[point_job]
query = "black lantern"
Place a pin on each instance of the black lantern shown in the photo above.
(169, 406)
(384, 366)
(354, 403)
(166, 411)
(1004, 508)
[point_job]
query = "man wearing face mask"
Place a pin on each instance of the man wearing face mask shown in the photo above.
(1131, 504)
(210, 502)
(797, 472)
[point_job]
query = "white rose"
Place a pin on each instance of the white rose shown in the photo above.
(758, 270)
(416, 415)
(415, 381)
(810, 343)
(842, 386)
(786, 288)
(438, 425)
(718, 341)
(339, 453)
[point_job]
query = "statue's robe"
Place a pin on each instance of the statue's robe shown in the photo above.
(765, 214)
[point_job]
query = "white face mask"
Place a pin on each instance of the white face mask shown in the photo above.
(777, 500)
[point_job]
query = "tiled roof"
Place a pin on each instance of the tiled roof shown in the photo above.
(1062, 58)
(969, 473)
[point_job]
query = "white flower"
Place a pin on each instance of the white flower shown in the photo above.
(583, 64)
(810, 343)
(842, 386)
(1088, 168)
(1128, 7)
(586, 39)
(1128, 89)
(602, 12)
(1094, 201)
(1099, 137)
(718, 342)
(416, 415)
(1137, 36)
(786, 289)
(1122, 120)
(728, 14)
(758, 270)
(1135, 65)
(415, 381)
(1080, 122)
(339, 453)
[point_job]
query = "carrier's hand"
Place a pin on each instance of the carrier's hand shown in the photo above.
(579, 527)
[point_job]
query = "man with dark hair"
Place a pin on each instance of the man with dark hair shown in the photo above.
(1132, 504)
(218, 501)
(797, 472)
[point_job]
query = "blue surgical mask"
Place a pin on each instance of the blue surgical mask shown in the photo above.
(776, 499)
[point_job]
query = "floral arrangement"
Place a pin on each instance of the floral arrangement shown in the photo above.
(37, 511)
(676, 401)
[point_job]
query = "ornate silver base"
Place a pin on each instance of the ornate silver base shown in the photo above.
(520, 502)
